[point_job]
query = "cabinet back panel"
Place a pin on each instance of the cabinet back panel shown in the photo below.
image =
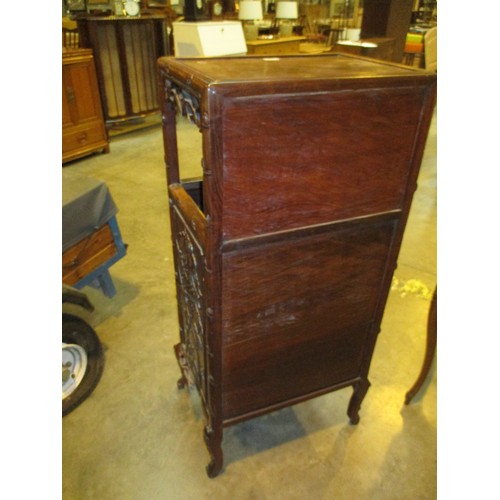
(296, 313)
(311, 159)
(270, 371)
(306, 285)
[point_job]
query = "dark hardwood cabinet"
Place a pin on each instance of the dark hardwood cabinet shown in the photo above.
(387, 18)
(285, 249)
(126, 50)
(83, 130)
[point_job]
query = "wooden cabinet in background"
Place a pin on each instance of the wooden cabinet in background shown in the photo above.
(83, 130)
(125, 50)
(285, 45)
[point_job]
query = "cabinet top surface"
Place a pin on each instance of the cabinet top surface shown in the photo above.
(68, 53)
(108, 19)
(248, 69)
(283, 39)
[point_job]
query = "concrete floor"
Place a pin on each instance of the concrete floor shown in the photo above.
(138, 437)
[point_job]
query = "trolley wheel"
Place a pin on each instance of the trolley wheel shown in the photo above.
(82, 361)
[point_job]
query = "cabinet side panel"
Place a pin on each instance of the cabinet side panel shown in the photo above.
(296, 313)
(140, 59)
(190, 283)
(311, 159)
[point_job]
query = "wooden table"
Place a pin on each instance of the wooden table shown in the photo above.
(284, 45)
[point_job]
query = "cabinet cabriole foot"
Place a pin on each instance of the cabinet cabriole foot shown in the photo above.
(181, 360)
(181, 383)
(213, 440)
(360, 390)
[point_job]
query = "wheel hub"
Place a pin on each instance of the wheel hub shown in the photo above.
(74, 364)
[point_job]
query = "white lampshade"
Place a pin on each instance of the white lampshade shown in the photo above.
(287, 10)
(250, 10)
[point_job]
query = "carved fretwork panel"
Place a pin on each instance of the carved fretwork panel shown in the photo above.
(190, 297)
(185, 103)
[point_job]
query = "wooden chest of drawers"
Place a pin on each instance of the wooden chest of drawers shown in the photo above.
(286, 45)
(285, 250)
(83, 130)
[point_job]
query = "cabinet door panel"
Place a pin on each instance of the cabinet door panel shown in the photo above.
(67, 119)
(83, 84)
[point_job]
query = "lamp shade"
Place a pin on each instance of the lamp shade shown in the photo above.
(250, 10)
(287, 10)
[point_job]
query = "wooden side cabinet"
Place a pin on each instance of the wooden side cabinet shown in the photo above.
(284, 252)
(126, 49)
(286, 45)
(83, 129)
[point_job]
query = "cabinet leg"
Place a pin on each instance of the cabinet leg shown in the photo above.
(181, 360)
(213, 440)
(360, 390)
(182, 382)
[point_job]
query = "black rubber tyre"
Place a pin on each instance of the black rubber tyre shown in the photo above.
(76, 331)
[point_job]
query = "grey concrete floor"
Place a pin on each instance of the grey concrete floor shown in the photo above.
(138, 437)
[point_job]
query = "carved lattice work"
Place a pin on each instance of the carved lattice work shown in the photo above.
(191, 301)
(184, 102)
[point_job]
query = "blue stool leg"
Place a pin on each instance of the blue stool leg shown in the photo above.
(106, 284)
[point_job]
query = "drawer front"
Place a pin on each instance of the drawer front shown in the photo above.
(92, 135)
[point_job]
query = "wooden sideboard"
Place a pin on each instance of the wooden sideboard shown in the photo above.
(125, 50)
(83, 129)
(284, 45)
(377, 48)
(284, 251)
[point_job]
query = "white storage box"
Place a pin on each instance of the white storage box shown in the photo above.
(209, 38)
